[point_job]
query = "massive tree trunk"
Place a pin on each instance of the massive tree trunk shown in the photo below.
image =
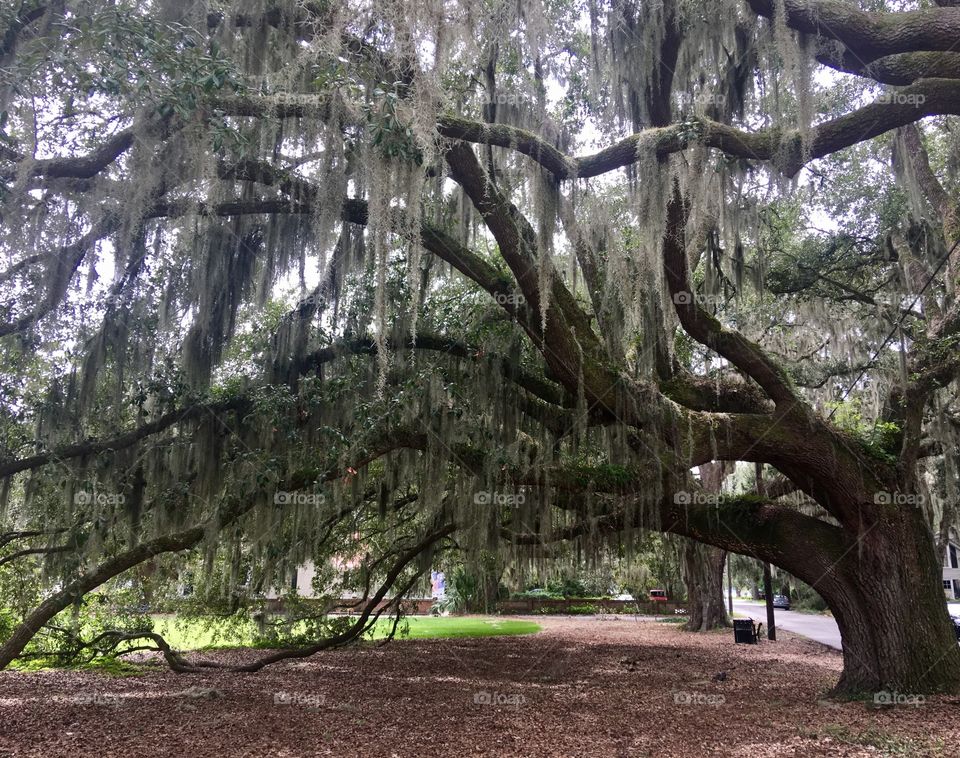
(872, 555)
(703, 574)
(888, 602)
(883, 587)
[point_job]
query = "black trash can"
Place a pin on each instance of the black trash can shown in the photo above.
(743, 631)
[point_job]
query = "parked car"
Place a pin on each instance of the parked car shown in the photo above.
(658, 596)
(781, 601)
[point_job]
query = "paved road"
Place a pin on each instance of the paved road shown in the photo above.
(823, 629)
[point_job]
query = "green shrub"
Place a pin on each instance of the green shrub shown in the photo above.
(567, 588)
(7, 623)
(528, 595)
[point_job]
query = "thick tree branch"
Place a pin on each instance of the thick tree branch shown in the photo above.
(899, 70)
(926, 97)
(67, 259)
(80, 167)
(530, 382)
(745, 355)
(126, 439)
(869, 35)
(361, 624)
(760, 528)
(537, 386)
(568, 344)
(701, 393)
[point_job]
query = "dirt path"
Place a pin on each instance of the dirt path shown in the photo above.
(582, 687)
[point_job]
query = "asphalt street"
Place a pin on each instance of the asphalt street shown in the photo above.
(823, 629)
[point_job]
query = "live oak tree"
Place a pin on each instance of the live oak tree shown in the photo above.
(541, 261)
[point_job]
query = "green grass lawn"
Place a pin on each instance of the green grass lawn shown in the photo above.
(200, 635)
(185, 634)
(430, 627)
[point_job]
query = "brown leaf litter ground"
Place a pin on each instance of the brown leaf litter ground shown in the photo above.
(581, 687)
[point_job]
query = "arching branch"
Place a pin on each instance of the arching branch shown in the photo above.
(869, 35)
(80, 167)
(120, 441)
(758, 527)
(535, 385)
(745, 355)
(67, 260)
(899, 70)
(926, 97)
(228, 512)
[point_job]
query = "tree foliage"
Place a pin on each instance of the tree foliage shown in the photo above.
(489, 274)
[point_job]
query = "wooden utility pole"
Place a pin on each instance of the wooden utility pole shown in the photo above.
(768, 591)
(730, 583)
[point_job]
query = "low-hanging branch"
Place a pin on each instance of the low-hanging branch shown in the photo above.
(371, 611)
(108, 642)
(747, 525)
(543, 389)
(126, 439)
(228, 512)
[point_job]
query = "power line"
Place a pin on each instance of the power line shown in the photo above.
(896, 326)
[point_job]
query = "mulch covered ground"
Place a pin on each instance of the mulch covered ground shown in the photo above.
(582, 687)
